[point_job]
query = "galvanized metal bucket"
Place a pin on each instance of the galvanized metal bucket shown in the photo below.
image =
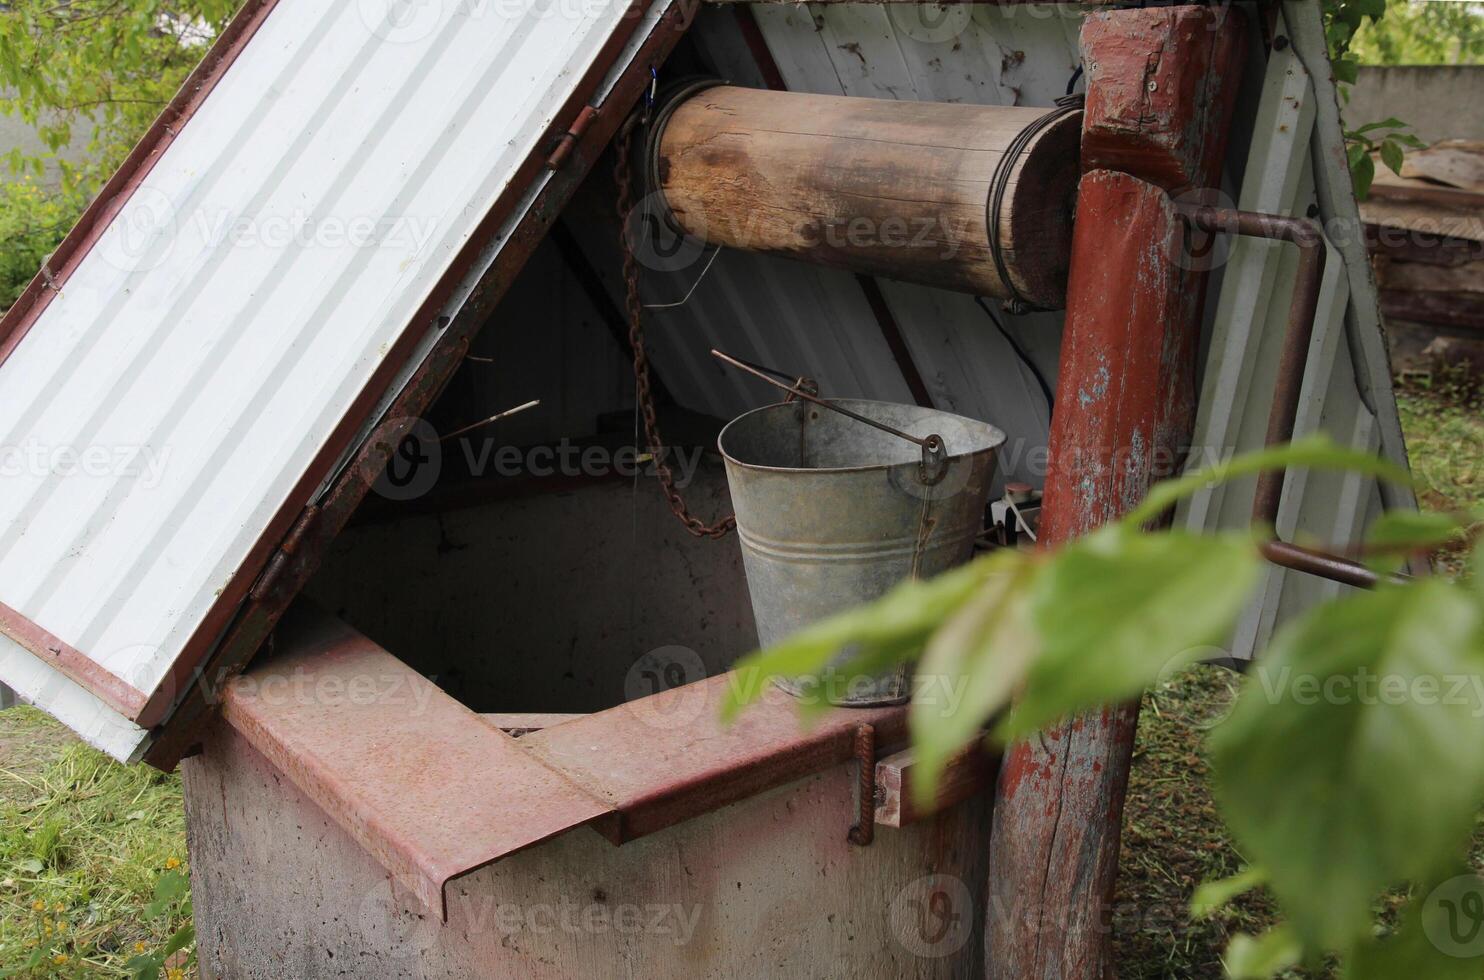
(832, 512)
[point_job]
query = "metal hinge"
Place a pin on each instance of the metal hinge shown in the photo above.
(292, 541)
(568, 140)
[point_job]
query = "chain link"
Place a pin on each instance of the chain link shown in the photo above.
(642, 393)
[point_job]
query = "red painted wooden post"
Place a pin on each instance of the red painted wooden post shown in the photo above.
(1161, 88)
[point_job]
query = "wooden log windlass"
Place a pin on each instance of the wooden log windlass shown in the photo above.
(895, 189)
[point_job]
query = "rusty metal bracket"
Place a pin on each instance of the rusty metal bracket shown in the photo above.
(272, 575)
(864, 830)
(568, 140)
(1289, 385)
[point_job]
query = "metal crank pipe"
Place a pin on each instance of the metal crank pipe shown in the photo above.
(1292, 362)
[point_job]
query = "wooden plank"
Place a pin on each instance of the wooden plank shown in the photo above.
(1126, 405)
(967, 773)
(1155, 114)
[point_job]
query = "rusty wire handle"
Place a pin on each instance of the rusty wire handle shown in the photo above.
(1290, 382)
(934, 451)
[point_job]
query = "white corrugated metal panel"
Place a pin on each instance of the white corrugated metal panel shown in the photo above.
(168, 400)
(1294, 149)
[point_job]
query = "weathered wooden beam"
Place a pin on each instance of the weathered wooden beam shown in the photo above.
(1162, 85)
(896, 189)
(968, 772)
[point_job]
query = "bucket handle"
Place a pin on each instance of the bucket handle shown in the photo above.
(930, 469)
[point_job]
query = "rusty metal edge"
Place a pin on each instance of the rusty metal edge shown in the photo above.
(246, 629)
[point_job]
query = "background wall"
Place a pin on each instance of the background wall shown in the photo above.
(1440, 101)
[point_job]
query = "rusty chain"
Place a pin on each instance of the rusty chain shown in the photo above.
(643, 395)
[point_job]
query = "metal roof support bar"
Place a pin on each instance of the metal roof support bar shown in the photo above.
(1289, 385)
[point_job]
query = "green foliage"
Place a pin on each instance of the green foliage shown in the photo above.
(1149, 604)
(94, 69)
(1344, 22)
(98, 67)
(32, 222)
(1258, 957)
(1422, 34)
(1384, 138)
(1352, 763)
(171, 901)
(1392, 767)
(87, 849)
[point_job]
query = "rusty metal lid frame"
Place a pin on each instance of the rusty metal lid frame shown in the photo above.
(317, 525)
(243, 612)
(433, 791)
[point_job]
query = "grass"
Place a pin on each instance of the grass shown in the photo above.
(1173, 838)
(89, 843)
(84, 846)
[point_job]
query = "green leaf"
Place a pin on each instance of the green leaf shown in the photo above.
(1249, 958)
(1413, 530)
(1347, 70)
(1354, 758)
(1214, 895)
(898, 624)
(1441, 936)
(1363, 172)
(31, 866)
(1410, 139)
(144, 967)
(171, 886)
(182, 938)
(1392, 156)
(1316, 452)
(970, 670)
(1390, 122)
(1117, 609)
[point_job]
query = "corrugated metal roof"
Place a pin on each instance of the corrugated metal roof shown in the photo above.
(169, 402)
